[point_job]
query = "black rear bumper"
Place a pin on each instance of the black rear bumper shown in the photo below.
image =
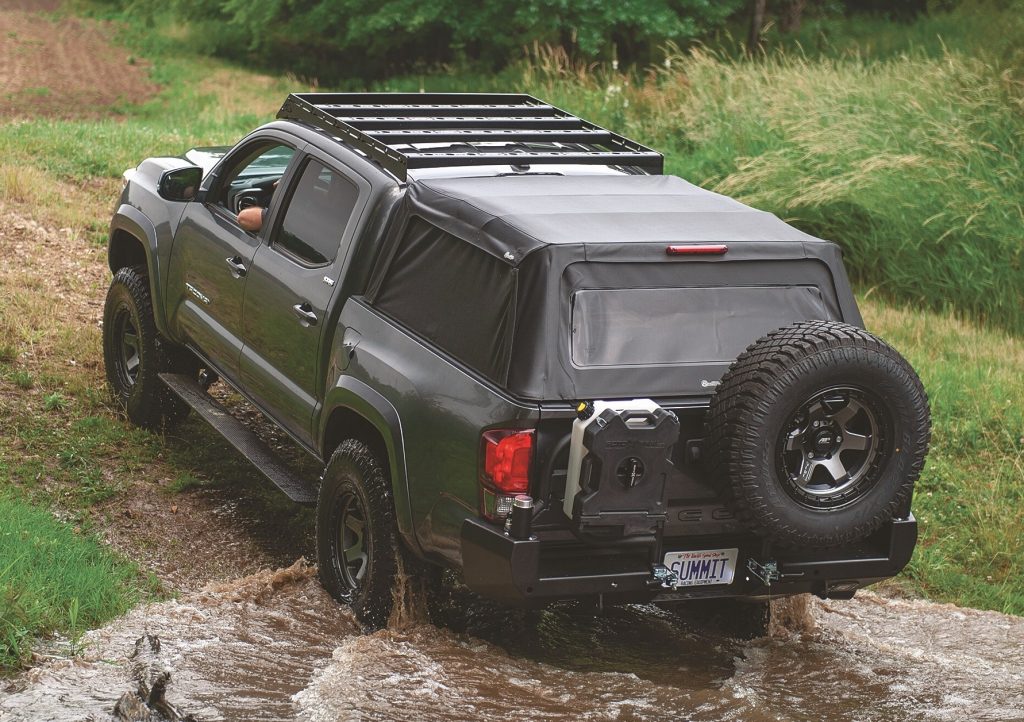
(556, 566)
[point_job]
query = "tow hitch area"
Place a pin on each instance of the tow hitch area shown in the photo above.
(618, 465)
(768, 571)
(662, 578)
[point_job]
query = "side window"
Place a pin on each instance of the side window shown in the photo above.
(453, 294)
(252, 180)
(318, 211)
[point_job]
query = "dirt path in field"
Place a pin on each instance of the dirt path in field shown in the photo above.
(63, 66)
(52, 287)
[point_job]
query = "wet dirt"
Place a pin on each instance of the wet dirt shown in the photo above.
(274, 646)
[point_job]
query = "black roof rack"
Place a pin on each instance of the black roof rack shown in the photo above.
(375, 123)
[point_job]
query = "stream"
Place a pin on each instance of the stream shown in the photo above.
(273, 646)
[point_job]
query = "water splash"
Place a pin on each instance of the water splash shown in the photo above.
(275, 646)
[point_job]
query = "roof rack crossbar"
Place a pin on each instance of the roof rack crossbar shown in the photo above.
(319, 99)
(465, 135)
(373, 123)
(379, 110)
(396, 123)
(649, 160)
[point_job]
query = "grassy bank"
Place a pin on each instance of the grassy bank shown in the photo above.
(913, 164)
(52, 578)
(970, 499)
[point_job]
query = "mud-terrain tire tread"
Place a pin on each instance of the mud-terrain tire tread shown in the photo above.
(756, 380)
(148, 403)
(353, 466)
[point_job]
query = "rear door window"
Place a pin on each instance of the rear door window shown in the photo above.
(317, 212)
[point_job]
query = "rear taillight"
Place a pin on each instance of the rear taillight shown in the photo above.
(505, 457)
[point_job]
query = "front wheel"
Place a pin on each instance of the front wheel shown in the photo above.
(356, 534)
(134, 354)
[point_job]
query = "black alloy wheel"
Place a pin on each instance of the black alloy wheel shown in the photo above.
(350, 555)
(817, 433)
(126, 362)
(832, 447)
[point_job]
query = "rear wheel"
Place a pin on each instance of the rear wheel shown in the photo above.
(358, 549)
(817, 433)
(134, 354)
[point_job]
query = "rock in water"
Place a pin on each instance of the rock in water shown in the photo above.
(148, 703)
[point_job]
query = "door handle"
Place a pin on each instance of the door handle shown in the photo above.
(237, 267)
(305, 314)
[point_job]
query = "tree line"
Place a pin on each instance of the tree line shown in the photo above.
(336, 39)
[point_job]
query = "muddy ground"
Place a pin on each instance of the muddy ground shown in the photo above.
(65, 67)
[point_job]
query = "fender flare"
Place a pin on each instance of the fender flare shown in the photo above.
(357, 397)
(131, 220)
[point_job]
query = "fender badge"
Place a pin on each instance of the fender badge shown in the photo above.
(328, 281)
(197, 293)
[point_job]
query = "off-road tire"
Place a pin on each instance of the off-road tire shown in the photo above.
(354, 476)
(128, 311)
(758, 429)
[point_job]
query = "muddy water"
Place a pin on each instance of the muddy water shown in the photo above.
(273, 646)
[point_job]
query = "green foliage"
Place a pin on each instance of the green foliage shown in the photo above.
(970, 499)
(914, 165)
(334, 39)
(53, 579)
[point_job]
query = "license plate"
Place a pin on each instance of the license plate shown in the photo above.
(703, 568)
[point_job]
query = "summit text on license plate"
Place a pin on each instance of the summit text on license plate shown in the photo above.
(702, 568)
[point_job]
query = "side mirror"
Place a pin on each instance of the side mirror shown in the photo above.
(181, 184)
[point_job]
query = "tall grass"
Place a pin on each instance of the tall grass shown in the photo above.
(914, 165)
(970, 499)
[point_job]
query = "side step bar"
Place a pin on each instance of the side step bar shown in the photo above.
(242, 438)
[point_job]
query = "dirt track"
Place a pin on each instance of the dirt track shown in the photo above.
(62, 67)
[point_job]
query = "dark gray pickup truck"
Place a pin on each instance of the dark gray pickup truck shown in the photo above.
(520, 351)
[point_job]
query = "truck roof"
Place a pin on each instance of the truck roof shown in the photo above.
(516, 214)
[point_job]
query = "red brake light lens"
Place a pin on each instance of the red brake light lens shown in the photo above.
(507, 456)
(698, 249)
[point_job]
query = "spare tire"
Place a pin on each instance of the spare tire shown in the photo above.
(817, 433)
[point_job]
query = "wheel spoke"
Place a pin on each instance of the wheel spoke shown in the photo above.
(793, 440)
(354, 538)
(855, 442)
(131, 340)
(844, 415)
(835, 467)
(359, 564)
(807, 467)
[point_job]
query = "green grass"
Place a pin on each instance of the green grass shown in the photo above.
(970, 499)
(53, 579)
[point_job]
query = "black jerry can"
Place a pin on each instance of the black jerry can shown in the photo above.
(623, 474)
